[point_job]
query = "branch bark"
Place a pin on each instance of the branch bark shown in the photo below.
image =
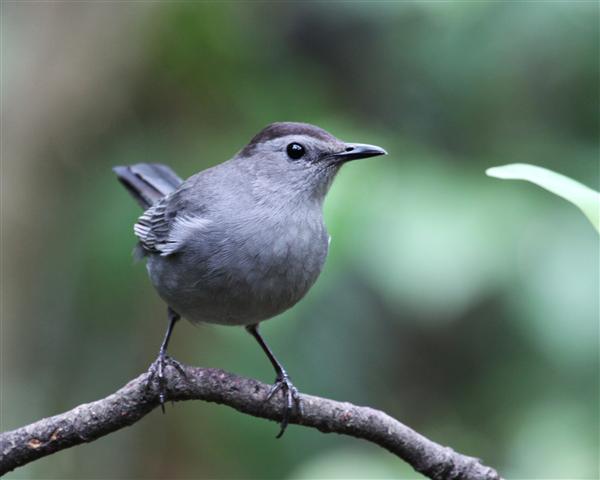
(89, 421)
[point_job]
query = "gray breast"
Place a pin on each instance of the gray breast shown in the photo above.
(244, 270)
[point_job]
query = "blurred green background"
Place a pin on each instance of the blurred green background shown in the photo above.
(463, 305)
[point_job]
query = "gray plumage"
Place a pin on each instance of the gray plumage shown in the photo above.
(148, 182)
(243, 241)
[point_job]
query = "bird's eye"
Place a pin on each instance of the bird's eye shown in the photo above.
(295, 151)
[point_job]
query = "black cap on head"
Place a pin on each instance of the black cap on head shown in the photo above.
(283, 129)
(336, 151)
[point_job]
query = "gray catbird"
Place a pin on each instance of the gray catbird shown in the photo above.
(243, 241)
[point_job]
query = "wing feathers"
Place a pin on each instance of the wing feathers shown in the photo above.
(159, 235)
(182, 230)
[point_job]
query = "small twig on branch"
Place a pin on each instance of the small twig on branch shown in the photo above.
(90, 421)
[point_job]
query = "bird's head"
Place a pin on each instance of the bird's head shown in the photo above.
(299, 158)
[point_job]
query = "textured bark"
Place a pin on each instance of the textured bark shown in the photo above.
(90, 421)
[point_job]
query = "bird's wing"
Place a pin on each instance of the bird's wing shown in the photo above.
(164, 229)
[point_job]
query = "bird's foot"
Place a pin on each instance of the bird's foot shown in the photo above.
(291, 397)
(157, 369)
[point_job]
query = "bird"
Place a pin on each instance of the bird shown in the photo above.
(243, 241)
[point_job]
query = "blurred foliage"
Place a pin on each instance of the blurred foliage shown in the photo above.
(585, 198)
(466, 307)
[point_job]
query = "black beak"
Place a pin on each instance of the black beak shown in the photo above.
(354, 151)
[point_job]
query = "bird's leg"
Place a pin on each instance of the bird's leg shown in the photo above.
(158, 366)
(282, 382)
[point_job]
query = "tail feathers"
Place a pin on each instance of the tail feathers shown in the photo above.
(148, 182)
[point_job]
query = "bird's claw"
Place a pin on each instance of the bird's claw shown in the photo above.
(291, 397)
(157, 369)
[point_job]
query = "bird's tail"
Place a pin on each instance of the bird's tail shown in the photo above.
(148, 182)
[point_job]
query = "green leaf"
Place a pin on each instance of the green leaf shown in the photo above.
(585, 198)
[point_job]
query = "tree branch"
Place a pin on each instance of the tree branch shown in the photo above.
(90, 421)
